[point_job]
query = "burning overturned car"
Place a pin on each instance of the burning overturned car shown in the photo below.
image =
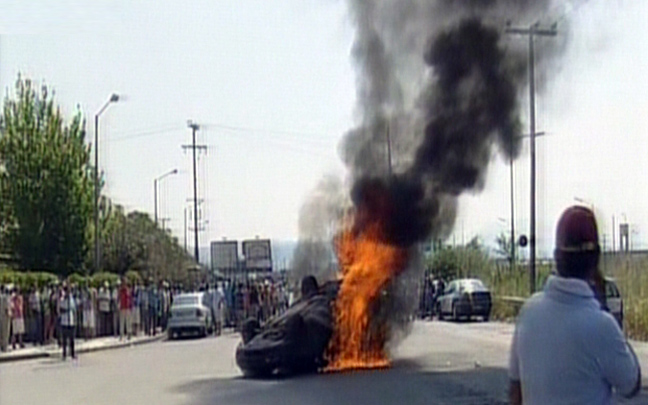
(468, 110)
(294, 342)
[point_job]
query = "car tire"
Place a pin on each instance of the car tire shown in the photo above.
(486, 317)
(260, 373)
(455, 313)
(170, 334)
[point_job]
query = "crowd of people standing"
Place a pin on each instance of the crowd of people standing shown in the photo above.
(62, 312)
(258, 299)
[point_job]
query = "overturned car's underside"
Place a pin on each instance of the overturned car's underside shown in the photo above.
(293, 342)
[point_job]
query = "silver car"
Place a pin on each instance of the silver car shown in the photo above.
(190, 313)
(465, 298)
(614, 300)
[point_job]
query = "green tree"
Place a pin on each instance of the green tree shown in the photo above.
(47, 182)
(134, 243)
(470, 260)
(503, 246)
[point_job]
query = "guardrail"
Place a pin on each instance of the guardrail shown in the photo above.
(513, 303)
(512, 300)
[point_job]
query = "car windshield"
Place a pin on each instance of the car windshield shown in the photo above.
(186, 300)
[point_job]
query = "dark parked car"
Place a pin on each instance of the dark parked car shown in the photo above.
(293, 342)
(465, 298)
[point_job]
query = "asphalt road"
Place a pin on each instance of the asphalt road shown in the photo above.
(438, 363)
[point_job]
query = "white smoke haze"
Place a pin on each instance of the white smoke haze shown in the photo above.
(319, 220)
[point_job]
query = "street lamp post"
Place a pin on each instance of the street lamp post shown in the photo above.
(155, 192)
(113, 99)
(532, 32)
(584, 201)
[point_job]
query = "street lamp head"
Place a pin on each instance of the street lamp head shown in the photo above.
(114, 98)
(175, 171)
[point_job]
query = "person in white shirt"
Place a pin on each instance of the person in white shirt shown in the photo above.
(68, 311)
(88, 305)
(566, 349)
(218, 309)
(105, 318)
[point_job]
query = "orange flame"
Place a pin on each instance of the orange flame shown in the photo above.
(367, 265)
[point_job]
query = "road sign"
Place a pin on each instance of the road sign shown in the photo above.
(258, 254)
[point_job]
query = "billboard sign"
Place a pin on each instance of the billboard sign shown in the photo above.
(258, 254)
(224, 255)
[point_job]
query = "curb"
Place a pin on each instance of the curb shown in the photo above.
(26, 356)
(58, 353)
(118, 345)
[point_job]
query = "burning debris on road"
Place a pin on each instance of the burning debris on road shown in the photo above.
(437, 87)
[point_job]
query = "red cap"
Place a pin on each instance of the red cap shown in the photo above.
(577, 231)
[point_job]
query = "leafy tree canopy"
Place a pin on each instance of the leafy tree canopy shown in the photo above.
(46, 181)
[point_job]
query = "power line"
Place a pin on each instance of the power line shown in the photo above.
(288, 136)
(290, 146)
(267, 131)
(145, 133)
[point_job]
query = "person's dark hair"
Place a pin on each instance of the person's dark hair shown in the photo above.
(577, 250)
(309, 286)
(576, 265)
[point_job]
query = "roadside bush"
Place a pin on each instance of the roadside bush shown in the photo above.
(7, 276)
(76, 279)
(26, 280)
(44, 279)
(98, 279)
(133, 277)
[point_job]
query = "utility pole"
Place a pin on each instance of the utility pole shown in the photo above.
(533, 31)
(613, 237)
(512, 217)
(389, 154)
(195, 127)
(185, 229)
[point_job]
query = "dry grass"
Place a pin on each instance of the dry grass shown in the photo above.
(631, 275)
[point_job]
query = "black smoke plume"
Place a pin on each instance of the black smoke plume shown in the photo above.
(440, 80)
(442, 83)
(471, 106)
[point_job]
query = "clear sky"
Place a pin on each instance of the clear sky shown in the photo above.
(273, 86)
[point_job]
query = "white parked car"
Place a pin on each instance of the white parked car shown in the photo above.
(614, 300)
(190, 313)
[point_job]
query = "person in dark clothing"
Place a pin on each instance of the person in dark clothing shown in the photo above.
(309, 287)
(239, 305)
(429, 299)
(254, 302)
(68, 307)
